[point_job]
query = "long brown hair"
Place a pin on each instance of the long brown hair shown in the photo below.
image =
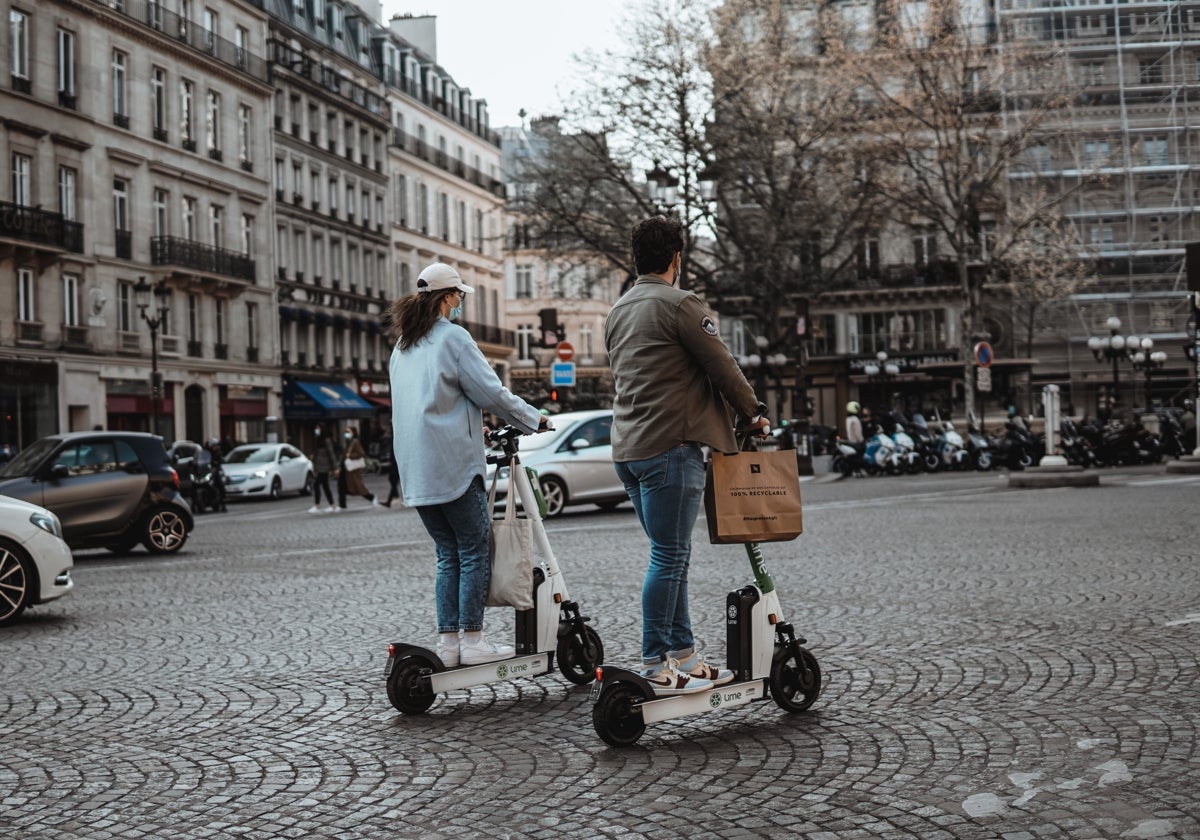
(413, 317)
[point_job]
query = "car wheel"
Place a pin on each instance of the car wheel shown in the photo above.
(166, 531)
(276, 488)
(555, 494)
(308, 485)
(16, 582)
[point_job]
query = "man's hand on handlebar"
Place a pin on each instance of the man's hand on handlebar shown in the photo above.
(758, 427)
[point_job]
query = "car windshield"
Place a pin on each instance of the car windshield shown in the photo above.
(251, 455)
(27, 459)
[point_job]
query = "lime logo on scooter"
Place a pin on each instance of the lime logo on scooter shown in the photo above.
(714, 699)
(501, 671)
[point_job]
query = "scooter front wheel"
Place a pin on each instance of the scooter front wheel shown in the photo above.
(407, 688)
(578, 660)
(614, 717)
(795, 683)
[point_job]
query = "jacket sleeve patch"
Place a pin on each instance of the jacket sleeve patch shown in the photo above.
(706, 324)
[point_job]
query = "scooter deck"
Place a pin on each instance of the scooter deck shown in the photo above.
(468, 676)
(656, 708)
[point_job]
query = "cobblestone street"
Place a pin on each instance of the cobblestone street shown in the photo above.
(998, 663)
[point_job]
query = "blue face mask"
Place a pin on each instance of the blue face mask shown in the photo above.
(456, 312)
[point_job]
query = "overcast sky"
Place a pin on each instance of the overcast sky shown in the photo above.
(516, 53)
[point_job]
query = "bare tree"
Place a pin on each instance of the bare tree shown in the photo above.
(955, 113)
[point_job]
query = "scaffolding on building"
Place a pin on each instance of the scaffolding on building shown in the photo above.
(1129, 131)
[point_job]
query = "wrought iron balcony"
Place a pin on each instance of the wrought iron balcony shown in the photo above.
(171, 250)
(39, 226)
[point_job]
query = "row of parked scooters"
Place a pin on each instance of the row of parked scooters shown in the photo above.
(895, 445)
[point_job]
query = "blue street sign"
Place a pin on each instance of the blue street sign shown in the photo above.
(562, 373)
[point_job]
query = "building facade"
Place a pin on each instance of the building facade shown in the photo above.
(331, 226)
(447, 196)
(578, 287)
(269, 174)
(134, 136)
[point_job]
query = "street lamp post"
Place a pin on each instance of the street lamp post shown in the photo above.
(162, 294)
(1148, 362)
(1115, 348)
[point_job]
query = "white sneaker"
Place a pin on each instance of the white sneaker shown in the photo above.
(448, 654)
(314, 509)
(330, 509)
(484, 651)
(670, 680)
(375, 503)
(336, 509)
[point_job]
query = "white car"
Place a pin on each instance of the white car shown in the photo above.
(574, 462)
(267, 469)
(35, 563)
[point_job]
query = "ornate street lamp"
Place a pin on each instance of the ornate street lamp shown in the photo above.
(162, 295)
(1148, 362)
(1115, 348)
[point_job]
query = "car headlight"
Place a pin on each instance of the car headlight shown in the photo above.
(48, 522)
(260, 473)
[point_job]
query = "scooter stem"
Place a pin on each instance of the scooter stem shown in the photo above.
(762, 578)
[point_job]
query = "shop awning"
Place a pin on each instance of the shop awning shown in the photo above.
(320, 400)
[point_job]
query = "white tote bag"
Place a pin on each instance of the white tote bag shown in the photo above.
(511, 584)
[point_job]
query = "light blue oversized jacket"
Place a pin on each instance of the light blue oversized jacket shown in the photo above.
(440, 388)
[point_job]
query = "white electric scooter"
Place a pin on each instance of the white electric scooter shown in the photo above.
(553, 628)
(765, 655)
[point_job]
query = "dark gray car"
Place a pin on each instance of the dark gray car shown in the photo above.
(109, 489)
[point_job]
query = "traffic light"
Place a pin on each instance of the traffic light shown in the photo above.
(550, 328)
(554, 395)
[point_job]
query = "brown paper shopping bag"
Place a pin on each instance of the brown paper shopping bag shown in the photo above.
(753, 497)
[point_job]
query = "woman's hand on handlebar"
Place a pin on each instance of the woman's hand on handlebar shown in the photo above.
(544, 424)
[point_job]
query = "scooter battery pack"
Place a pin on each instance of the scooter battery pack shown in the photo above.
(739, 634)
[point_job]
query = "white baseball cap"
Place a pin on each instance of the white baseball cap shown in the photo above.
(439, 276)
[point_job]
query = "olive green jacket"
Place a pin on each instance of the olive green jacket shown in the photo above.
(675, 379)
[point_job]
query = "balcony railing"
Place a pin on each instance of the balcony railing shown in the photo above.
(75, 337)
(441, 160)
(124, 244)
(169, 345)
(221, 351)
(45, 228)
(171, 250)
(195, 349)
(152, 13)
(29, 332)
(251, 354)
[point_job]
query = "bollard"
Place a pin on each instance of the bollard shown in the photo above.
(1050, 405)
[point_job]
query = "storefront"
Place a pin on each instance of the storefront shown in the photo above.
(333, 405)
(28, 402)
(243, 413)
(378, 392)
(129, 407)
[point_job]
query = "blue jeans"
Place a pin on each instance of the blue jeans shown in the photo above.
(666, 492)
(462, 537)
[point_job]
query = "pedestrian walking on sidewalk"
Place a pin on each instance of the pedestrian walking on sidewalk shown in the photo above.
(437, 428)
(324, 458)
(354, 465)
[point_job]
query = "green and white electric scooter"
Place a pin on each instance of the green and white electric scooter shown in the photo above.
(764, 652)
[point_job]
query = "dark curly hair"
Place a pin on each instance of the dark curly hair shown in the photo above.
(655, 243)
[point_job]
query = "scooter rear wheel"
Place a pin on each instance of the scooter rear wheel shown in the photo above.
(615, 720)
(406, 689)
(795, 684)
(577, 661)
